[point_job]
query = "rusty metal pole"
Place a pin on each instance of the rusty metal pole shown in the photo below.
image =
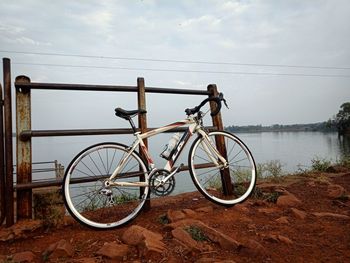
(9, 207)
(220, 142)
(2, 162)
(24, 150)
(141, 101)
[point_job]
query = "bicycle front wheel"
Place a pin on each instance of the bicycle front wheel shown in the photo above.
(224, 185)
(87, 198)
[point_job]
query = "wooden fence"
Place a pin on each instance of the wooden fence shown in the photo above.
(24, 133)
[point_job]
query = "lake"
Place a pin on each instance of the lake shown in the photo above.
(293, 149)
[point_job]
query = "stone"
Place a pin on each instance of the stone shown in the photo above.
(60, 249)
(282, 220)
(298, 213)
(278, 238)
(85, 260)
(189, 213)
(206, 209)
(252, 247)
(146, 240)
(23, 257)
(113, 251)
(215, 236)
(185, 238)
(332, 215)
(288, 200)
(267, 211)
(335, 191)
(19, 230)
(175, 215)
(241, 208)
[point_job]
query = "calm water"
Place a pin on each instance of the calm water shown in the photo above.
(292, 149)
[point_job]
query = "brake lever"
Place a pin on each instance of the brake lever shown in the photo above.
(225, 103)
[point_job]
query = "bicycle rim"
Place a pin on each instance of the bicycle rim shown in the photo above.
(94, 205)
(223, 185)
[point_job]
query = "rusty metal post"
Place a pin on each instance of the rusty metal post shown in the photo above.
(142, 118)
(24, 150)
(220, 142)
(9, 207)
(2, 162)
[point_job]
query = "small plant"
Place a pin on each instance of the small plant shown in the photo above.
(343, 198)
(196, 233)
(163, 219)
(320, 165)
(124, 198)
(345, 161)
(257, 193)
(272, 170)
(272, 197)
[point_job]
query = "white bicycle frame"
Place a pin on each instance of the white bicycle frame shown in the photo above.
(193, 127)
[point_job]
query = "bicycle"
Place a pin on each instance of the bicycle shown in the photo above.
(106, 185)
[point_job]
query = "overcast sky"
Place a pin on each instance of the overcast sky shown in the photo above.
(246, 35)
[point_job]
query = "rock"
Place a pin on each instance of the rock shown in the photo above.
(267, 211)
(206, 209)
(252, 247)
(113, 251)
(60, 249)
(335, 191)
(19, 230)
(185, 238)
(175, 215)
(85, 260)
(241, 208)
(213, 260)
(189, 213)
(146, 241)
(215, 236)
(278, 238)
(282, 220)
(298, 213)
(23, 257)
(288, 200)
(332, 215)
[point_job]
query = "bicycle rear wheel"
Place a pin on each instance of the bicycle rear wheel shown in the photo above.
(85, 195)
(222, 185)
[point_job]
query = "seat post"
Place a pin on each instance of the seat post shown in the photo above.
(132, 124)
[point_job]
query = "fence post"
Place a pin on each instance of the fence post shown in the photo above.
(8, 142)
(141, 101)
(24, 149)
(2, 162)
(220, 142)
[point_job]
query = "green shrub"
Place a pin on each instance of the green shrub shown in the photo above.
(196, 233)
(320, 164)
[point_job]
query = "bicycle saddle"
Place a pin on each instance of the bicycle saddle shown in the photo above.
(127, 114)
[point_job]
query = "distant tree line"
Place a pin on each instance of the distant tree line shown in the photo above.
(319, 126)
(339, 123)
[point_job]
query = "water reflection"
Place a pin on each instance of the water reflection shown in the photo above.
(344, 145)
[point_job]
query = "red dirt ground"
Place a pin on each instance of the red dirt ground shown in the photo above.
(312, 239)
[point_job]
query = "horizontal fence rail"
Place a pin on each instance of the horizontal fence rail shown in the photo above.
(84, 87)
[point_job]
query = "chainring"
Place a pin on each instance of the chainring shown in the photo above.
(160, 188)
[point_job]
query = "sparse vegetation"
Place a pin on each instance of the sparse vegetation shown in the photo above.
(48, 206)
(271, 170)
(196, 233)
(320, 164)
(267, 196)
(163, 219)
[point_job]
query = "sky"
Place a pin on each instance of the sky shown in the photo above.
(277, 62)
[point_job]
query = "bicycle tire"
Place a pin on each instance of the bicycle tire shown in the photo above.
(98, 207)
(210, 179)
